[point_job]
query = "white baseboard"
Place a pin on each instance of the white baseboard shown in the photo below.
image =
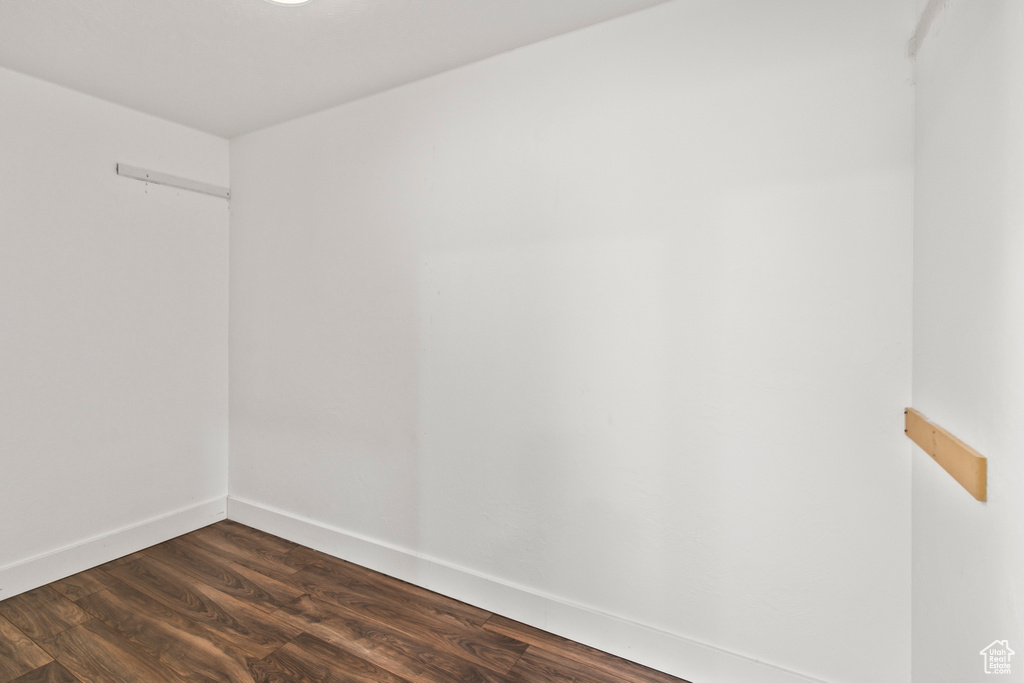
(668, 652)
(58, 564)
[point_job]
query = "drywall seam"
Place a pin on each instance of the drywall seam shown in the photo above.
(58, 564)
(668, 652)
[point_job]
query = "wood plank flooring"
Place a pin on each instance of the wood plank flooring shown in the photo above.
(230, 603)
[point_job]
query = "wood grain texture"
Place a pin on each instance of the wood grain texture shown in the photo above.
(254, 551)
(119, 561)
(93, 652)
(537, 665)
(408, 656)
(616, 667)
(230, 603)
(83, 583)
(42, 612)
(180, 644)
(51, 673)
(278, 667)
(18, 653)
(966, 465)
(397, 591)
(445, 632)
(315, 660)
(225, 575)
(237, 622)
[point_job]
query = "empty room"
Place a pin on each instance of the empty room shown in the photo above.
(588, 341)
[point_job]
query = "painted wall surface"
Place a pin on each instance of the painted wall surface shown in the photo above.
(969, 337)
(113, 320)
(622, 317)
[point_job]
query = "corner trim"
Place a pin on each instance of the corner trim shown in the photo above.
(40, 570)
(661, 650)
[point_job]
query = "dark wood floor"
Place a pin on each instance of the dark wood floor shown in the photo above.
(230, 603)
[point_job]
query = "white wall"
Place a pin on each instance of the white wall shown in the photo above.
(969, 337)
(113, 327)
(622, 318)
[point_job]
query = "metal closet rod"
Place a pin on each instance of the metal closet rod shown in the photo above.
(148, 176)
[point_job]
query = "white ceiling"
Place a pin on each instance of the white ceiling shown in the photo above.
(233, 66)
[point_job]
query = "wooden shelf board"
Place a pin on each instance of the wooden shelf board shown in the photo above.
(963, 463)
